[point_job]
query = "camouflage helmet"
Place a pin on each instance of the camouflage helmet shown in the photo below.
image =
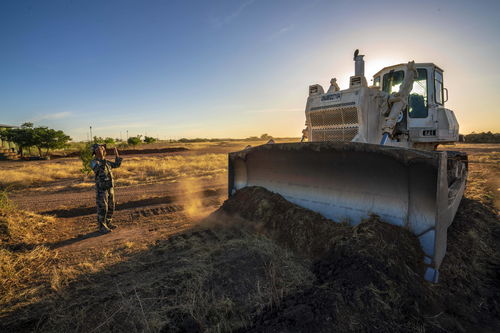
(93, 148)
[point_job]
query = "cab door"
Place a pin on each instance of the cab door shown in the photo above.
(419, 105)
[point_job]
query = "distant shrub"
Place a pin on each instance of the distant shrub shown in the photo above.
(134, 141)
(184, 140)
(149, 139)
(86, 157)
(109, 141)
(122, 145)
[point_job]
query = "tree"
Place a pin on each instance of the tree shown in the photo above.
(27, 136)
(47, 138)
(109, 141)
(23, 137)
(134, 140)
(266, 136)
(149, 139)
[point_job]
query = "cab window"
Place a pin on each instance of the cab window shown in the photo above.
(438, 86)
(376, 81)
(392, 81)
(417, 104)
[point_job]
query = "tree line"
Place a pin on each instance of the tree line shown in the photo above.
(483, 137)
(264, 136)
(133, 141)
(28, 136)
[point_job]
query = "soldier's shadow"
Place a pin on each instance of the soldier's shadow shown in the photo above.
(74, 240)
(24, 247)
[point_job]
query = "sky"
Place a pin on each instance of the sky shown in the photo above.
(173, 69)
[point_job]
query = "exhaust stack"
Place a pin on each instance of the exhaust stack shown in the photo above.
(358, 80)
(359, 64)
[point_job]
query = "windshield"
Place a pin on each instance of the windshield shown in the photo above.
(392, 81)
(417, 101)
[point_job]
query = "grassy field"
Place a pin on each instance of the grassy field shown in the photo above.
(202, 160)
(213, 277)
(135, 170)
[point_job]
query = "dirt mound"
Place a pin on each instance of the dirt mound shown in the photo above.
(369, 277)
(297, 228)
(372, 281)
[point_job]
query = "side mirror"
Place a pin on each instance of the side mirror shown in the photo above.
(446, 95)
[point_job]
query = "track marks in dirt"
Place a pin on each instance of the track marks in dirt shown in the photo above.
(156, 211)
(82, 211)
(145, 202)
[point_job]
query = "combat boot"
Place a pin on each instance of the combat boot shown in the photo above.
(103, 228)
(110, 225)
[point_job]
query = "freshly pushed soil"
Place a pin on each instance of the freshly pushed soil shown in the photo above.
(369, 277)
(302, 230)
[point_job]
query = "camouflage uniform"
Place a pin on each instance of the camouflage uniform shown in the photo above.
(104, 186)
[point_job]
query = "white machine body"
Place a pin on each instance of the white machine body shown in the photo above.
(358, 113)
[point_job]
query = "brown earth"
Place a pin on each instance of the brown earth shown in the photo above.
(371, 277)
(258, 264)
(148, 210)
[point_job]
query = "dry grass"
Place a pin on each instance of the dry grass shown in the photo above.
(170, 168)
(134, 170)
(38, 173)
(24, 261)
(21, 277)
(204, 159)
(214, 277)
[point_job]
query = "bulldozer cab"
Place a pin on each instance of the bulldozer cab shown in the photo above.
(425, 103)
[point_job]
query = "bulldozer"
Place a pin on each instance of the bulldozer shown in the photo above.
(370, 150)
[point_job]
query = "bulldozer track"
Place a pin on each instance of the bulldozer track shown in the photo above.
(156, 211)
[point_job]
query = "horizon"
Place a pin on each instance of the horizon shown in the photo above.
(229, 69)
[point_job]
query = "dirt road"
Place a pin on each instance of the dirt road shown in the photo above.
(144, 214)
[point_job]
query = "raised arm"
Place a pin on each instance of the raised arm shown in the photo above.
(118, 160)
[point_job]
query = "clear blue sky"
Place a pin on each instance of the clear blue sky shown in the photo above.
(228, 68)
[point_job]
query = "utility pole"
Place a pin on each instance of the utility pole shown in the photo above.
(127, 135)
(91, 137)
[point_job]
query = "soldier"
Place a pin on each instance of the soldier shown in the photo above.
(104, 185)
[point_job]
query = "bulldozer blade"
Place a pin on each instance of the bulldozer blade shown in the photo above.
(348, 182)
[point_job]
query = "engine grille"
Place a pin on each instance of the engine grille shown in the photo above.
(335, 125)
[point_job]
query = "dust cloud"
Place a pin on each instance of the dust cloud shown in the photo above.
(195, 202)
